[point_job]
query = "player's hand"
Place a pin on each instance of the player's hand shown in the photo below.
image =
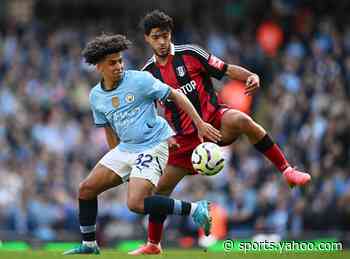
(205, 130)
(252, 84)
(172, 144)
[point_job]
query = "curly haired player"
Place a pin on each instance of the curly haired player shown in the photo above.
(124, 104)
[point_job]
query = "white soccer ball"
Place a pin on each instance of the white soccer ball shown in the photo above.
(207, 159)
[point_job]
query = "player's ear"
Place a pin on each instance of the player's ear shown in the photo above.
(99, 67)
(146, 37)
(170, 36)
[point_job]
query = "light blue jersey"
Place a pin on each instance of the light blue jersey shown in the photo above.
(130, 110)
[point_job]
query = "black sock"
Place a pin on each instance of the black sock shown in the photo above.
(264, 144)
(162, 205)
(87, 219)
(272, 152)
(157, 218)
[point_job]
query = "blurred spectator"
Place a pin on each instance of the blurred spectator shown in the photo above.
(48, 143)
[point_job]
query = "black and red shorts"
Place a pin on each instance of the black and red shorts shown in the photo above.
(181, 157)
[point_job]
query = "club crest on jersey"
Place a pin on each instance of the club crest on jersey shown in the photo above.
(129, 98)
(115, 101)
(180, 71)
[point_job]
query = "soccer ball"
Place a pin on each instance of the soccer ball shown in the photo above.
(207, 159)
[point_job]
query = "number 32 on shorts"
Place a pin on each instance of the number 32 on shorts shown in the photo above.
(143, 161)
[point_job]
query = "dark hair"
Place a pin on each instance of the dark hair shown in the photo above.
(97, 49)
(156, 19)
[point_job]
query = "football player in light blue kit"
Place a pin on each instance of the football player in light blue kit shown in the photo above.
(124, 104)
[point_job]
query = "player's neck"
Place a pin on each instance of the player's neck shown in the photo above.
(162, 60)
(108, 84)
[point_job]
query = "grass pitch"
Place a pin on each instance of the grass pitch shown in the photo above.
(175, 254)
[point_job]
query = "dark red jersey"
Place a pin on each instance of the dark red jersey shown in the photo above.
(189, 69)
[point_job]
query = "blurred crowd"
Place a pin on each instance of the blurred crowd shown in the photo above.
(48, 143)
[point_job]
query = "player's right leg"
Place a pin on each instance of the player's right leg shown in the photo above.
(99, 180)
(108, 173)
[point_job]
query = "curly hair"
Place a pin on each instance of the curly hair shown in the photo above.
(156, 19)
(97, 49)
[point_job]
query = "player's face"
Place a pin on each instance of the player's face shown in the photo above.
(159, 40)
(112, 67)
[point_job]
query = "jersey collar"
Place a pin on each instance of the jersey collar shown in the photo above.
(172, 49)
(115, 86)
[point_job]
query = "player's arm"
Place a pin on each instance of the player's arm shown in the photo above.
(204, 129)
(217, 68)
(251, 80)
(112, 138)
(100, 120)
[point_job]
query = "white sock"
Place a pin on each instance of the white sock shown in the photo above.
(90, 243)
(150, 243)
(193, 208)
(286, 169)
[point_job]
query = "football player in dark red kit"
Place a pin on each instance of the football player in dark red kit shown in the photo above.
(189, 68)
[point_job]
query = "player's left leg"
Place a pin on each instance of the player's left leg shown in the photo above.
(167, 182)
(235, 123)
(141, 200)
(143, 180)
(179, 165)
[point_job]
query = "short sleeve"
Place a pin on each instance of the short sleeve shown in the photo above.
(98, 117)
(155, 89)
(212, 64)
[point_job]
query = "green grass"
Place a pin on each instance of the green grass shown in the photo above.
(175, 254)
